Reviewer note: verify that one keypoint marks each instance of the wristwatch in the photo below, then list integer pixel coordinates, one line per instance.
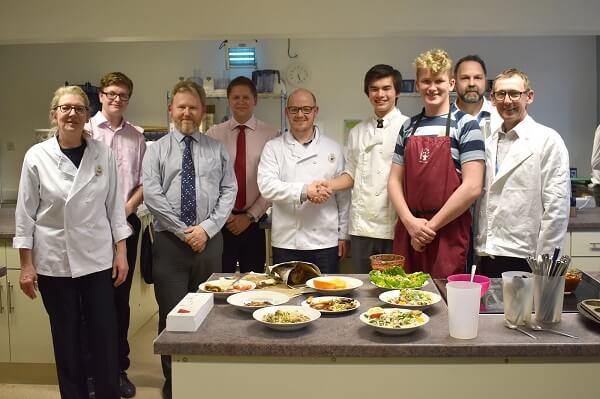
(251, 217)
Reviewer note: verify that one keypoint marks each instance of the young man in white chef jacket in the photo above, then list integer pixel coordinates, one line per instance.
(368, 160)
(301, 229)
(525, 206)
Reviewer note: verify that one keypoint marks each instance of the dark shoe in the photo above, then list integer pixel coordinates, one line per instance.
(166, 390)
(126, 387)
(91, 388)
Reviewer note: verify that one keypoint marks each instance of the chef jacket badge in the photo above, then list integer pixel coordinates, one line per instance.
(331, 157)
(98, 170)
(425, 155)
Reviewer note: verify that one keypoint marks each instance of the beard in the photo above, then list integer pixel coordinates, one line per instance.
(470, 97)
(186, 128)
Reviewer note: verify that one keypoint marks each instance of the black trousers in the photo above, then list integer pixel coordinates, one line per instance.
(68, 300)
(363, 247)
(494, 267)
(177, 270)
(247, 248)
(122, 294)
(326, 259)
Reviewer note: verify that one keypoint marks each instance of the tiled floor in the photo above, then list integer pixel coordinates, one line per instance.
(145, 371)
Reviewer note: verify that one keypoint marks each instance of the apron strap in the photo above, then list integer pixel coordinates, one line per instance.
(422, 114)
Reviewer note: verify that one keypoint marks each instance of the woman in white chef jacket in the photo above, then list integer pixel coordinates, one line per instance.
(70, 231)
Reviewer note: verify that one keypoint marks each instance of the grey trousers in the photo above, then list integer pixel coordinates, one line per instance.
(177, 270)
(363, 247)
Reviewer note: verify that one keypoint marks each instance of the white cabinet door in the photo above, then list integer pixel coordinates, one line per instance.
(585, 243)
(30, 336)
(4, 334)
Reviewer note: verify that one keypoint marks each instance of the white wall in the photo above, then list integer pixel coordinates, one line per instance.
(563, 71)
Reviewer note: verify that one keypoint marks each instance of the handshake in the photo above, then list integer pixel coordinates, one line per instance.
(318, 191)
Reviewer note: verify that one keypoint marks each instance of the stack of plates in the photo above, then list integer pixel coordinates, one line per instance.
(590, 308)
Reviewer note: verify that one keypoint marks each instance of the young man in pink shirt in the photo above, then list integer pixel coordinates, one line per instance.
(128, 145)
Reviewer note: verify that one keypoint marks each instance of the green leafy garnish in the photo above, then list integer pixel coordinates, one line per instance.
(396, 277)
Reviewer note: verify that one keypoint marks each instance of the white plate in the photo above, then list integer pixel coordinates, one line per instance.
(388, 296)
(239, 300)
(389, 330)
(329, 298)
(388, 288)
(311, 313)
(351, 284)
(225, 283)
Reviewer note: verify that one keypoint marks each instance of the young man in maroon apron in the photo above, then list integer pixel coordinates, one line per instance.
(436, 174)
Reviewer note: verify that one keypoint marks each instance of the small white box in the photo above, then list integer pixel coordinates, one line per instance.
(190, 312)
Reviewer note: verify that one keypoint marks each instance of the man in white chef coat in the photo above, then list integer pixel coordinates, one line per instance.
(301, 229)
(525, 206)
(369, 153)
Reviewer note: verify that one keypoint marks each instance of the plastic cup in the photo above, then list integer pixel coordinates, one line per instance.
(463, 309)
(548, 294)
(517, 291)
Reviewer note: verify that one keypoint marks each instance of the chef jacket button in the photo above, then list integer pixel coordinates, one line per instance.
(377, 194)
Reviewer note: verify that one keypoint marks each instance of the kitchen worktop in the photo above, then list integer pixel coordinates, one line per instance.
(7, 222)
(229, 332)
(586, 219)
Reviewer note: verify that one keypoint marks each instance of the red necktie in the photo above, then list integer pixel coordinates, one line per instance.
(240, 169)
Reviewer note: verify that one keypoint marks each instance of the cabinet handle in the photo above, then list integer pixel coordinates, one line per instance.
(1, 303)
(594, 245)
(9, 297)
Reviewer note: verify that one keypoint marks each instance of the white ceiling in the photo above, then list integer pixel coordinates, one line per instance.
(52, 21)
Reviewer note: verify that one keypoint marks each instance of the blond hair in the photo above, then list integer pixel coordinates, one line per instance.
(436, 60)
(509, 73)
(63, 91)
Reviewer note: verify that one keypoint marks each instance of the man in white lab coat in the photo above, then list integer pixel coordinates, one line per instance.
(301, 229)
(525, 205)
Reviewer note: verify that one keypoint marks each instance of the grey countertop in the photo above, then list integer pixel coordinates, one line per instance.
(586, 219)
(229, 332)
(7, 222)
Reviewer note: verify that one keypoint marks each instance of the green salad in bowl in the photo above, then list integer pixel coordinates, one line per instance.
(396, 277)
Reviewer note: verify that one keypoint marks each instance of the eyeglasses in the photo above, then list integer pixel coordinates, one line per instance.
(513, 95)
(305, 110)
(66, 109)
(112, 95)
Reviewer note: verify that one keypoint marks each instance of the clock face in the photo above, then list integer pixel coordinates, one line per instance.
(297, 74)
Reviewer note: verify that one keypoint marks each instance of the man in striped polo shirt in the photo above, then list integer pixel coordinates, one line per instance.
(436, 174)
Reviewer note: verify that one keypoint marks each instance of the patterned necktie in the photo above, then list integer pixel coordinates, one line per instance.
(240, 169)
(379, 123)
(188, 184)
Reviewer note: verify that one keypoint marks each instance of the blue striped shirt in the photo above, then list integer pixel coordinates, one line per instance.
(466, 139)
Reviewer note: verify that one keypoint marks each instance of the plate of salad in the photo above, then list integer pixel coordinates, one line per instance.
(392, 321)
(410, 298)
(396, 277)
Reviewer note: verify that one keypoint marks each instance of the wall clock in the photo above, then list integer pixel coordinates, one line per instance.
(297, 74)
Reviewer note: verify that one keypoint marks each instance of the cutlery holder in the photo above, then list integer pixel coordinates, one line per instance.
(548, 295)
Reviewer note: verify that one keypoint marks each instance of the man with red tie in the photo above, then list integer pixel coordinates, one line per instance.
(244, 136)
